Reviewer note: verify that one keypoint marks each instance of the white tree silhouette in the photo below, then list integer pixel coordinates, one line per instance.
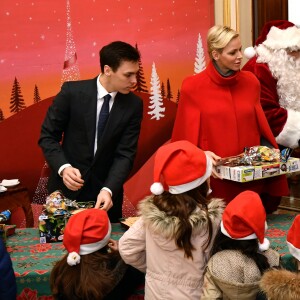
(156, 100)
(200, 57)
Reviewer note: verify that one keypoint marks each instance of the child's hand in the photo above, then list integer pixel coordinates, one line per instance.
(113, 245)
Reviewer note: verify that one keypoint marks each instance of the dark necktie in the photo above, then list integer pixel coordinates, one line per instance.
(103, 116)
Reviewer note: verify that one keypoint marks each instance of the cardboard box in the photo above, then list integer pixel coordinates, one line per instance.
(249, 173)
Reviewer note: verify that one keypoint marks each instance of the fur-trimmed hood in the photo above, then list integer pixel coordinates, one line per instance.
(281, 285)
(161, 223)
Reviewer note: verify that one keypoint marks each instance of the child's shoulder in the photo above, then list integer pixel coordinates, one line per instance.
(273, 257)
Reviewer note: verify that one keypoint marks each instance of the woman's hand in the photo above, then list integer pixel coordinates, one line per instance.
(214, 158)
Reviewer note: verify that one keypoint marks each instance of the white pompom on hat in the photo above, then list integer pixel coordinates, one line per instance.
(293, 238)
(86, 232)
(179, 167)
(244, 218)
(279, 24)
(249, 52)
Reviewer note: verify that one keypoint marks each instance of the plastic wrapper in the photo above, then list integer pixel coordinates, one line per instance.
(256, 156)
(57, 211)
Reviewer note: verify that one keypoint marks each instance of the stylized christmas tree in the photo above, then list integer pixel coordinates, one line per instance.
(169, 92)
(71, 69)
(70, 73)
(16, 100)
(178, 97)
(200, 58)
(162, 88)
(141, 82)
(36, 95)
(1, 115)
(156, 100)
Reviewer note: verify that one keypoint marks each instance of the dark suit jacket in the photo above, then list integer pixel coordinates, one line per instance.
(68, 136)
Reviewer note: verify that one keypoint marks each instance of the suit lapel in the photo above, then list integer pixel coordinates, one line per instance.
(89, 106)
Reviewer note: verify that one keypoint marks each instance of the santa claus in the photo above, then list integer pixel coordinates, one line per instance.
(275, 60)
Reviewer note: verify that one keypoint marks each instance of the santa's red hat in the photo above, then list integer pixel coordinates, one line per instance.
(293, 238)
(86, 232)
(179, 167)
(244, 218)
(279, 24)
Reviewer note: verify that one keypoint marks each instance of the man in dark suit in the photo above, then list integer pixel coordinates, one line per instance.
(88, 165)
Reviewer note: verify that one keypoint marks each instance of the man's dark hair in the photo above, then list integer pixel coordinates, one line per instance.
(115, 53)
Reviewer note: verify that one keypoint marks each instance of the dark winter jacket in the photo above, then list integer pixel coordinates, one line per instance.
(8, 286)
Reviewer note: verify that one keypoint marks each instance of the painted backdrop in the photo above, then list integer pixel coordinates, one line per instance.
(44, 43)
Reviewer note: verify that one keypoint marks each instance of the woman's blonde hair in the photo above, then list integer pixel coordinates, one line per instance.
(218, 38)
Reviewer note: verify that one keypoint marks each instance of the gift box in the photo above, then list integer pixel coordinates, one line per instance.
(58, 210)
(265, 170)
(51, 228)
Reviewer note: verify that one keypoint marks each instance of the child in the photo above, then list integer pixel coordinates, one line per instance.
(284, 284)
(89, 271)
(171, 241)
(241, 252)
(293, 241)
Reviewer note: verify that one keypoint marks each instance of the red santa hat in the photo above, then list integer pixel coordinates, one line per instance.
(244, 218)
(86, 232)
(293, 238)
(281, 25)
(179, 167)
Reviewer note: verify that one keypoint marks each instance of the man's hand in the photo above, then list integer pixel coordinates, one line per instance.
(104, 200)
(72, 178)
(214, 158)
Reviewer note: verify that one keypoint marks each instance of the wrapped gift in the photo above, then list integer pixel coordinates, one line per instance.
(57, 211)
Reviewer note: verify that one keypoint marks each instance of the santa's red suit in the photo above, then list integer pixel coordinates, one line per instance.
(276, 64)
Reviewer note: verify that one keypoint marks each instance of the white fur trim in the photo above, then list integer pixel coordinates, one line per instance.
(264, 246)
(293, 250)
(248, 237)
(157, 188)
(73, 259)
(249, 52)
(283, 38)
(290, 133)
(90, 248)
(179, 189)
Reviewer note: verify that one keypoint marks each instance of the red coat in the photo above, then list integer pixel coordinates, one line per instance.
(224, 115)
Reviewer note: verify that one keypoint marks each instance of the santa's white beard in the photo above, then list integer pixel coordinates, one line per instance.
(286, 69)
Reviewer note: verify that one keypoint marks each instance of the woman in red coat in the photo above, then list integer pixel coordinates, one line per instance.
(219, 111)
